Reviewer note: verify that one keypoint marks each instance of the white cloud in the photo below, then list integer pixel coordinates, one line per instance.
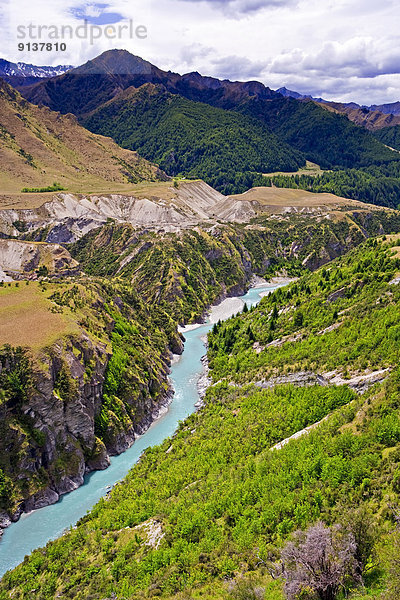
(241, 7)
(341, 49)
(360, 56)
(191, 54)
(237, 68)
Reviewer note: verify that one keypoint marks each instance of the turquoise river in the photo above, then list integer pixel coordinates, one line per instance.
(35, 529)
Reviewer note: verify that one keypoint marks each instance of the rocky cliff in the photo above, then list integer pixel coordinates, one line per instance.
(49, 436)
(67, 407)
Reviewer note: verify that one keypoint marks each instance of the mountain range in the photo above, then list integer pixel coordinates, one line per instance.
(102, 78)
(257, 130)
(192, 138)
(20, 73)
(391, 108)
(227, 133)
(374, 117)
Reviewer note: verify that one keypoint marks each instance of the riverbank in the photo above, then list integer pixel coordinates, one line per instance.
(228, 308)
(221, 311)
(49, 496)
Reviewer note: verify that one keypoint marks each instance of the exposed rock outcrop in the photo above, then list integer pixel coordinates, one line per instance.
(51, 439)
(23, 260)
(359, 382)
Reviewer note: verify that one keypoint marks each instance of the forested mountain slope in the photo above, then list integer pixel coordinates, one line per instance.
(184, 142)
(327, 138)
(389, 136)
(191, 138)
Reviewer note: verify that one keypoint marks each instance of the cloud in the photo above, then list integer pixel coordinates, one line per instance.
(190, 55)
(96, 14)
(361, 56)
(237, 68)
(381, 89)
(241, 7)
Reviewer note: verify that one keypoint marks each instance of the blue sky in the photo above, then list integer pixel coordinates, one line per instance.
(343, 50)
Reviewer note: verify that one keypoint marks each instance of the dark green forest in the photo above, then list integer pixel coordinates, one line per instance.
(389, 136)
(192, 139)
(326, 138)
(230, 149)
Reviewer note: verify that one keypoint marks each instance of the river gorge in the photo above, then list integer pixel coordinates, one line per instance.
(36, 528)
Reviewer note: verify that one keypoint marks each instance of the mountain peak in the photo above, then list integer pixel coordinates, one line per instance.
(116, 62)
(288, 93)
(119, 69)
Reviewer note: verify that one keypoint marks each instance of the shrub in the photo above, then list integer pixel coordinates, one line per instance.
(319, 563)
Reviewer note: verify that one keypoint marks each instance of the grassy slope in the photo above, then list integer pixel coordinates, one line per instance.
(224, 500)
(310, 169)
(39, 146)
(145, 189)
(18, 302)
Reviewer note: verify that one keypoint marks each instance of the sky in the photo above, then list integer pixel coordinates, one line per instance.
(342, 50)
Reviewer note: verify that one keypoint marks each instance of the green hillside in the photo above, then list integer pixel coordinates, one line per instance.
(229, 148)
(389, 136)
(326, 138)
(191, 138)
(184, 273)
(123, 308)
(218, 503)
(337, 298)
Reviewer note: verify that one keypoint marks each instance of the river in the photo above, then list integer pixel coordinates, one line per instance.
(35, 529)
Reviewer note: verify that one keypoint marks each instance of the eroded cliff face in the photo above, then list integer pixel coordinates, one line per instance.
(51, 438)
(28, 260)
